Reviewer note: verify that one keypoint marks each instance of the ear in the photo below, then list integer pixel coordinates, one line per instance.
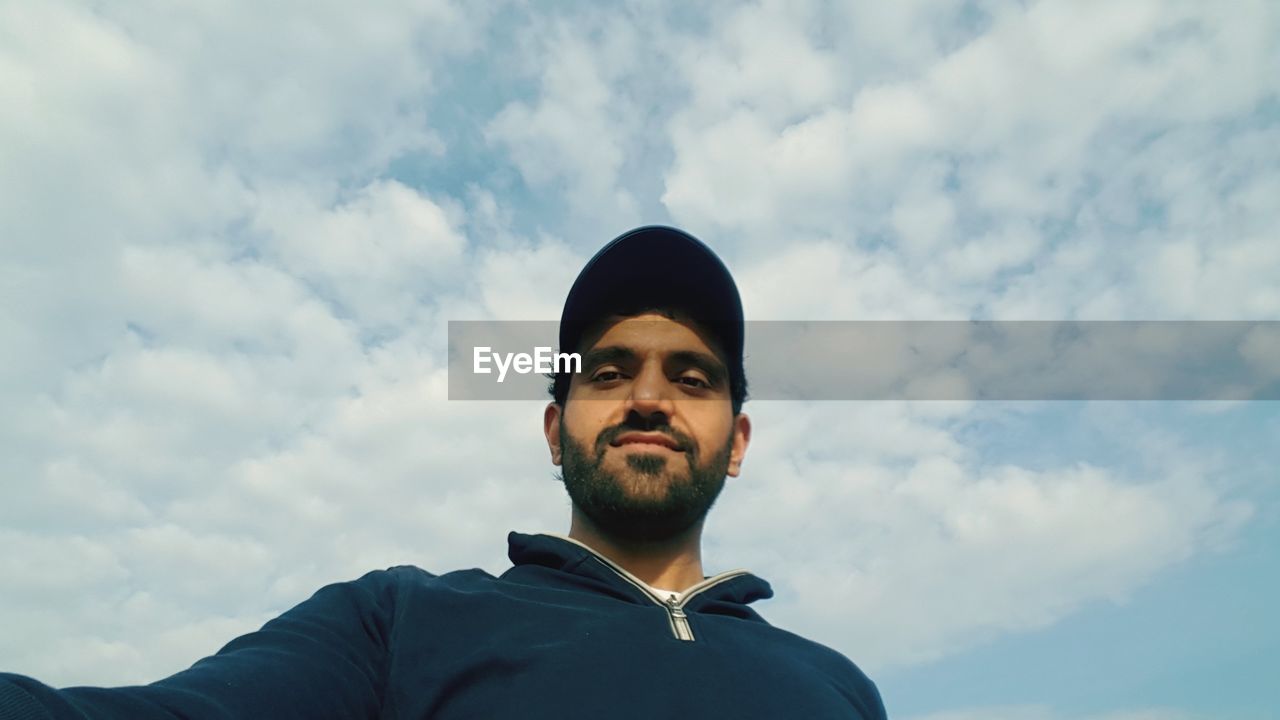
(741, 438)
(551, 429)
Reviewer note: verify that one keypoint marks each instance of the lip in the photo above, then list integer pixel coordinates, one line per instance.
(647, 438)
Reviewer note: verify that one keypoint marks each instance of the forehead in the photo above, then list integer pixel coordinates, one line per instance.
(652, 331)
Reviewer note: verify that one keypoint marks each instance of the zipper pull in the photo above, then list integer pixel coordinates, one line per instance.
(679, 621)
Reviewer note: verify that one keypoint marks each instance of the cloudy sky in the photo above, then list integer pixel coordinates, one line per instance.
(232, 234)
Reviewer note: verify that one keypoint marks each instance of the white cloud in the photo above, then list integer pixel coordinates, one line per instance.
(823, 279)
(1022, 138)
(578, 133)
(378, 255)
(514, 283)
(760, 58)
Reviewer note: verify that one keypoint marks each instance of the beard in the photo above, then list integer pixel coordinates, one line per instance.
(655, 498)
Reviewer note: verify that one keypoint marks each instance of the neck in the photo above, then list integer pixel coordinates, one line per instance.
(674, 564)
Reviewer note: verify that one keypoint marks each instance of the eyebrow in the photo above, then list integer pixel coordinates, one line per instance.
(596, 357)
(709, 364)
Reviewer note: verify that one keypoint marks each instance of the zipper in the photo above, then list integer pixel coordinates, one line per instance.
(676, 615)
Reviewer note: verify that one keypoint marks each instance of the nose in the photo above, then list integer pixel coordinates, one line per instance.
(651, 394)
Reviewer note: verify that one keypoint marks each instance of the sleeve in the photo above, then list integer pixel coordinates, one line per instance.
(865, 697)
(325, 658)
(874, 708)
(859, 690)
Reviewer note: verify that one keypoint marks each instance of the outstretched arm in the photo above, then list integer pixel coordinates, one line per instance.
(325, 658)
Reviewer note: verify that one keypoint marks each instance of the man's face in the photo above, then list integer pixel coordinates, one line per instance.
(648, 433)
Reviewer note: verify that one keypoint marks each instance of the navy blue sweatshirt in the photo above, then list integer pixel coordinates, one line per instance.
(563, 634)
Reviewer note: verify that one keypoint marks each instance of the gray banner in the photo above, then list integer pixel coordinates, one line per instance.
(929, 360)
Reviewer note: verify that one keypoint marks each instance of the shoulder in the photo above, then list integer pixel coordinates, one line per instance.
(400, 579)
(397, 575)
(378, 596)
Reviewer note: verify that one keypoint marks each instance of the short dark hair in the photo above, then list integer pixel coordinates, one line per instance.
(558, 382)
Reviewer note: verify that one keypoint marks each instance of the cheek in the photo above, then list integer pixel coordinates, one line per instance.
(584, 419)
(710, 425)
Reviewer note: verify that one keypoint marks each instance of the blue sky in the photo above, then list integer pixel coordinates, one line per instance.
(234, 234)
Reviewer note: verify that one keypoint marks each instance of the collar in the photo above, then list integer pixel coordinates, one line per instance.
(530, 553)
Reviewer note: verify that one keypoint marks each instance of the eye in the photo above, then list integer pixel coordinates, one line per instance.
(693, 381)
(606, 376)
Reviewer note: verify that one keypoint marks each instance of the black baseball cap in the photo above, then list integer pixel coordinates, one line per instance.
(656, 266)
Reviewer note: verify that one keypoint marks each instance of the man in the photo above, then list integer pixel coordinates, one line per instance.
(614, 621)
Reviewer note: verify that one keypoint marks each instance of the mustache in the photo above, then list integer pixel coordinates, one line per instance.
(608, 435)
